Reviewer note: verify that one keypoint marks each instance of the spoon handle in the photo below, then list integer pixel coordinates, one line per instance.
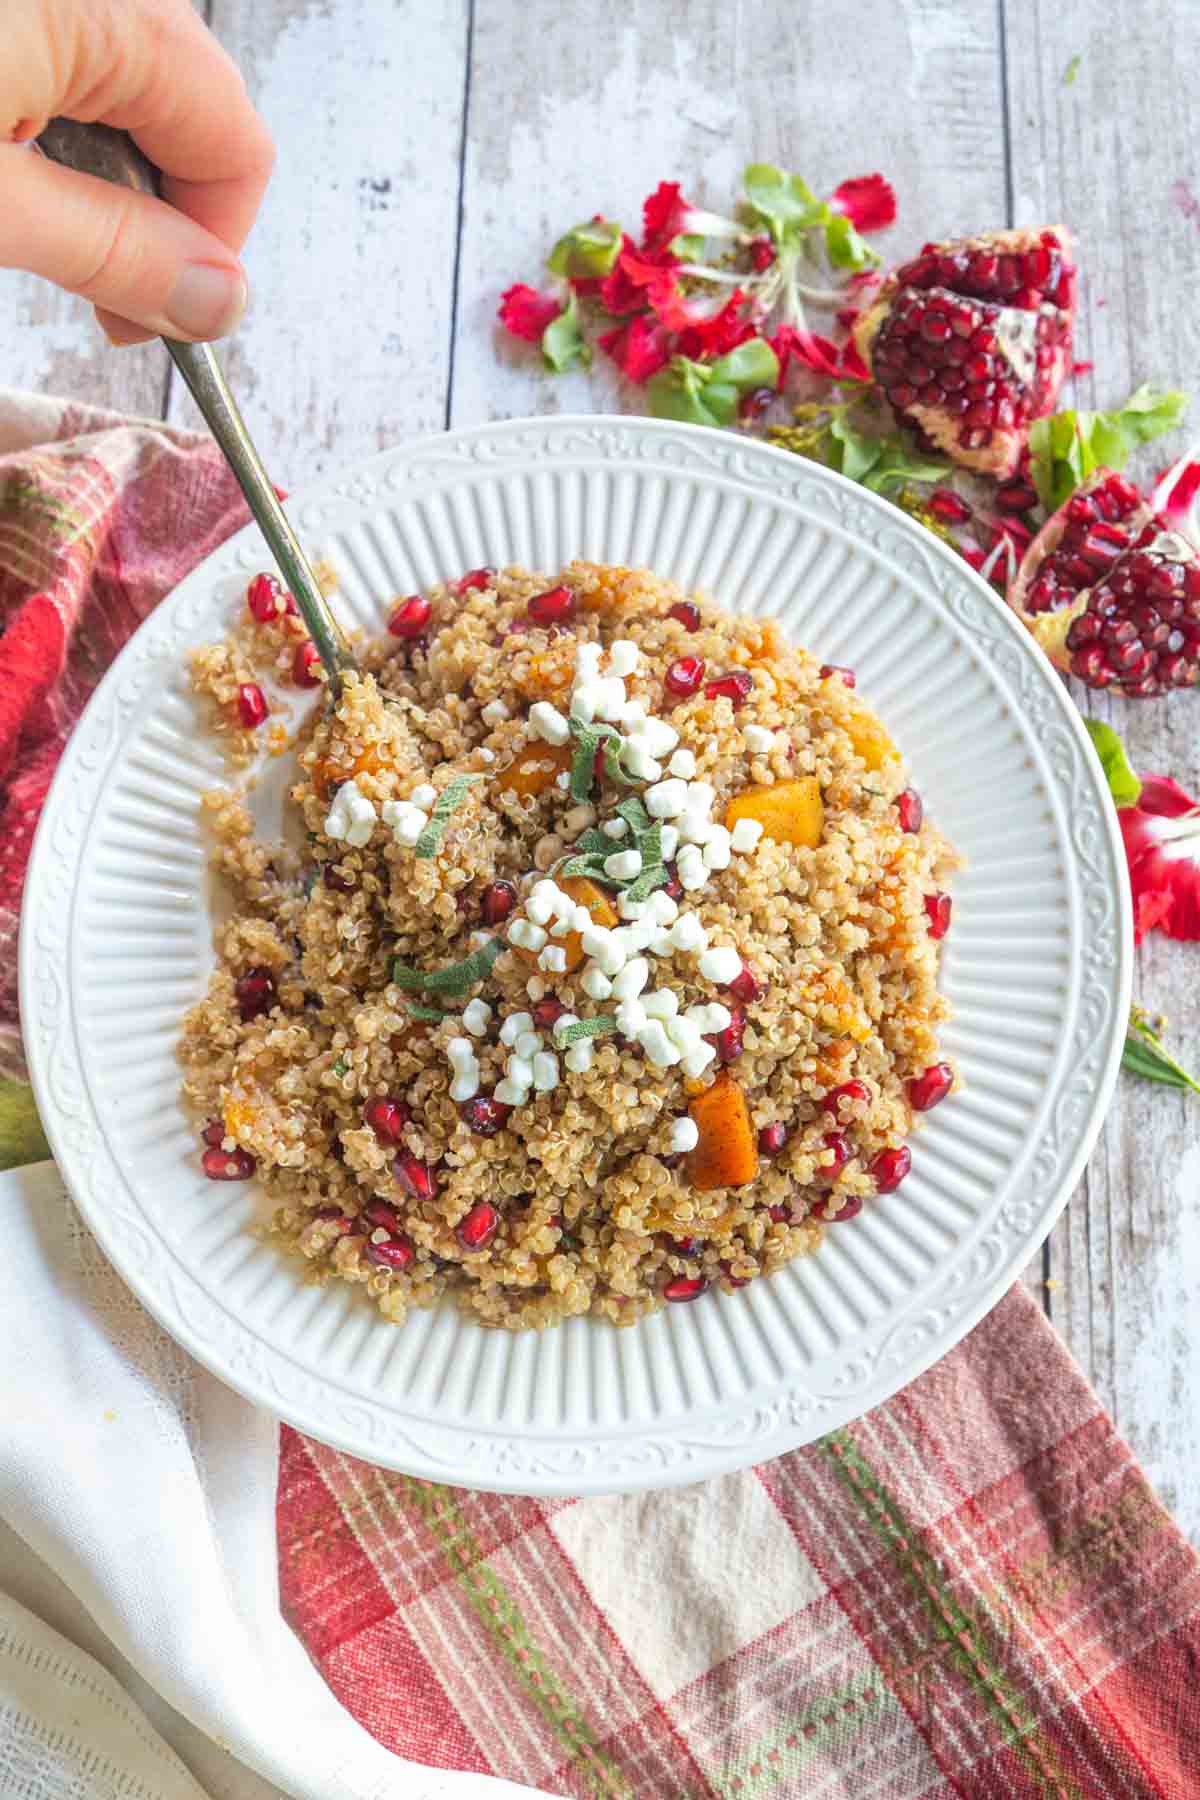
(113, 155)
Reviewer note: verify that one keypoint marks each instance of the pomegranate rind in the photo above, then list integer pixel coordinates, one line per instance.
(1001, 456)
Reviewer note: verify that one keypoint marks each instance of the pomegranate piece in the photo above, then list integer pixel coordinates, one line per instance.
(949, 507)
(746, 985)
(685, 1287)
(554, 607)
(414, 1176)
(762, 253)
(778, 1214)
(971, 341)
(379, 1213)
(674, 887)
(484, 1115)
(847, 675)
(931, 1086)
(1112, 592)
(255, 993)
(387, 1119)
(496, 902)
(729, 1042)
(396, 1254)
(333, 1215)
(890, 1167)
(233, 1165)
(849, 1209)
(214, 1133)
(252, 705)
(477, 1230)
(546, 1013)
(754, 404)
(411, 617)
(306, 664)
(910, 809)
(684, 676)
(1016, 496)
(857, 1091)
(772, 1138)
(735, 1281)
(837, 1143)
(474, 581)
(262, 596)
(736, 687)
(685, 613)
(937, 910)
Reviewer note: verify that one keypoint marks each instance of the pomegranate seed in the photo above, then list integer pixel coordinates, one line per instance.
(387, 1119)
(729, 1042)
(762, 253)
(949, 507)
(497, 901)
(234, 1165)
(778, 1214)
(484, 1115)
(847, 675)
(735, 1281)
(754, 404)
(474, 581)
(937, 911)
(910, 809)
(411, 617)
(849, 1209)
(685, 613)
(1016, 496)
(252, 705)
(890, 1167)
(261, 597)
(684, 676)
(546, 1013)
(674, 887)
(684, 1246)
(772, 1138)
(334, 878)
(214, 1133)
(414, 1176)
(379, 1213)
(306, 664)
(857, 1091)
(552, 607)
(926, 1089)
(735, 687)
(255, 992)
(837, 1142)
(685, 1287)
(397, 1253)
(333, 1215)
(477, 1230)
(746, 985)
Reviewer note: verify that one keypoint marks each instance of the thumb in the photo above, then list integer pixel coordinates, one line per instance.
(128, 253)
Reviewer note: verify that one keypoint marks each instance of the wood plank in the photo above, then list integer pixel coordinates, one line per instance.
(52, 345)
(1113, 153)
(346, 345)
(564, 122)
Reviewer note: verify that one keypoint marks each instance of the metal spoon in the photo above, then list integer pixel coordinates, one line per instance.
(113, 155)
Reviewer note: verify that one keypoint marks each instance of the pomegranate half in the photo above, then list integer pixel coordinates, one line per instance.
(970, 341)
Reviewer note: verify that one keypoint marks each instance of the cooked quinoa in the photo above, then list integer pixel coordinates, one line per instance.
(701, 908)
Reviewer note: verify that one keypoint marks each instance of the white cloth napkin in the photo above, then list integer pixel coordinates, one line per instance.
(142, 1651)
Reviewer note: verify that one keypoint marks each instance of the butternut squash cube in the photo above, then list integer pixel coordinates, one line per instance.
(791, 812)
(534, 769)
(726, 1154)
(869, 738)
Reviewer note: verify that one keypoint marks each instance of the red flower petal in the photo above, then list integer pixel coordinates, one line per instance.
(1182, 498)
(663, 216)
(639, 348)
(868, 201)
(814, 352)
(623, 290)
(1162, 846)
(526, 313)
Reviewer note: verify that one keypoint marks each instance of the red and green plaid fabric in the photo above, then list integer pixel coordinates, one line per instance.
(971, 1592)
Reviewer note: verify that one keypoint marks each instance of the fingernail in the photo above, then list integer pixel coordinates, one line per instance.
(206, 301)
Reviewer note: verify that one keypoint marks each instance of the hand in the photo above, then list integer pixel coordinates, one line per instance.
(151, 68)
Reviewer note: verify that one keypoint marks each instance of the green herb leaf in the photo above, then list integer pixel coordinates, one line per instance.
(1071, 71)
(586, 251)
(751, 365)
(1144, 1055)
(634, 813)
(427, 1015)
(644, 884)
(783, 203)
(602, 1025)
(843, 245)
(649, 844)
(447, 803)
(341, 1066)
(457, 977)
(1123, 784)
(596, 843)
(1069, 446)
(698, 393)
(590, 866)
(563, 343)
(588, 739)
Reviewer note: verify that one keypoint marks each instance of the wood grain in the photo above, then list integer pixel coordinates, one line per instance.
(1114, 152)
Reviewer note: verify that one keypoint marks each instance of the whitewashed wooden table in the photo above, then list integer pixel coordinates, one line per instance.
(430, 151)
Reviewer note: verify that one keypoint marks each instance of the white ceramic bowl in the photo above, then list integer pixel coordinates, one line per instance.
(116, 942)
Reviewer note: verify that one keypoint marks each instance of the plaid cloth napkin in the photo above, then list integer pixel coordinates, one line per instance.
(970, 1592)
